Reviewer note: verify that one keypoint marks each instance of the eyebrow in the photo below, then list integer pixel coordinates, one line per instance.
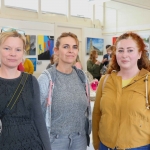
(123, 48)
(10, 46)
(69, 45)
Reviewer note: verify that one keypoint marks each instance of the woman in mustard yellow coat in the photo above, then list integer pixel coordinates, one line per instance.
(28, 66)
(121, 114)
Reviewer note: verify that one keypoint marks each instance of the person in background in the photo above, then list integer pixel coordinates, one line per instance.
(78, 63)
(22, 125)
(121, 114)
(108, 55)
(28, 66)
(53, 60)
(20, 67)
(64, 91)
(93, 65)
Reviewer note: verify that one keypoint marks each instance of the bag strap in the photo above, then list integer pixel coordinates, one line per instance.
(105, 81)
(146, 86)
(15, 96)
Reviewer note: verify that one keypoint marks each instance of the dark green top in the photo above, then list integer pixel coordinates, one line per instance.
(94, 69)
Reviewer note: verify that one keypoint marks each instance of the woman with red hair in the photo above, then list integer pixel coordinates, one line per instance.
(121, 115)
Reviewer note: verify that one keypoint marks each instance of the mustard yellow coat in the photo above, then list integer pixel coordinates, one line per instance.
(28, 66)
(120, 118)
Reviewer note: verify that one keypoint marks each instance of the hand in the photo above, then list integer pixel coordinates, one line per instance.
(97, 62)
(104, 60)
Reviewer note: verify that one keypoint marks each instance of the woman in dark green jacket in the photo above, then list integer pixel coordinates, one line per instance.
(93, 65)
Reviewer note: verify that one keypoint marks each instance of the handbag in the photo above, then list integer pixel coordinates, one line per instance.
(87, 131)
(14, 99)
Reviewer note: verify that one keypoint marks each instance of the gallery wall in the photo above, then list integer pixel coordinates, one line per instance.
(50, 29)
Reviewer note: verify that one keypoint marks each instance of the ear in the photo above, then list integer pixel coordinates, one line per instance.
(56, 50)
(140, 53)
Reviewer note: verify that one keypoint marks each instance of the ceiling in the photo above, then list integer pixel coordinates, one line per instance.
(145, 4)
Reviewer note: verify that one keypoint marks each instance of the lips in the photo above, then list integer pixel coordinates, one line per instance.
(12, 60)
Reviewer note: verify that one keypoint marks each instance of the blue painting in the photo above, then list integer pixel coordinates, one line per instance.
(95, 44)
(34, 62)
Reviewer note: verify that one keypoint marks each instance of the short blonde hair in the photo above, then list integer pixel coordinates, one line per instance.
(5, 35)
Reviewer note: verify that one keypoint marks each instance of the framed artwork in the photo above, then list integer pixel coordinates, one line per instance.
(30, 45)
(45, 47)
(147, 43)
(34, 62)
(114, 40)
(95, 44)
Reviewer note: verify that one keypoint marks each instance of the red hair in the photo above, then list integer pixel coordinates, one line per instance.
(143, 62)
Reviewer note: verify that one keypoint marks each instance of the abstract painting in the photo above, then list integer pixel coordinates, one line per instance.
(30, 45)
(45, 47)
(95, 44)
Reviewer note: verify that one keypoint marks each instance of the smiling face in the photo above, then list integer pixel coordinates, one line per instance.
(67, 51)
(127, 54)
(11, 52)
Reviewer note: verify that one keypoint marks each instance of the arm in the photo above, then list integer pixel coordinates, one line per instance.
(96, 116)
(38, 116)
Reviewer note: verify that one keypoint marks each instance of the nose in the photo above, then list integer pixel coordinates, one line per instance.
(70, 50)
(12, 52)
(125, 54)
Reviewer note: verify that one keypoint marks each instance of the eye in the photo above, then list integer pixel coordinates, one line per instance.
(130, 50)
(18, 49)
(66, 46)
(75, 47)
(120, 50)
(6, 48)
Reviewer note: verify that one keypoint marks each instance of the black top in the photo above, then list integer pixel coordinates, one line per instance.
(23, 128)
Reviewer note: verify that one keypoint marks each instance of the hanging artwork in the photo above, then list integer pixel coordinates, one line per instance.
(30, 45)
(45, 47)
(114, 40)
(95, 44)
(34, 62)
(146, 41)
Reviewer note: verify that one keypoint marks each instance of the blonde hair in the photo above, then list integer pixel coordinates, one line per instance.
(67, 34)
(5, 35)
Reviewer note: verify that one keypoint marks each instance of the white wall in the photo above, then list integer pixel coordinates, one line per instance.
(41, 28)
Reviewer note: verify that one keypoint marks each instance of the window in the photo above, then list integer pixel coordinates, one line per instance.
(81, 8)
(99, 12)
(24, 4)
(55, 6)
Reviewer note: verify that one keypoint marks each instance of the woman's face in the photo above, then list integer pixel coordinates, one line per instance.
(67, 51)
(127, 54)
(11, 52)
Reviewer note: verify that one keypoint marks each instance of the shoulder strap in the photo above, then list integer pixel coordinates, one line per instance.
(15, 96)
(105, 81)
(146, 86)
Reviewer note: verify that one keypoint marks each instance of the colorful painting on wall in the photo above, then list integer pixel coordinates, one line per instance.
(114, 40)
(30, 45)
(95, 44)
(45, 47)
(34, 62)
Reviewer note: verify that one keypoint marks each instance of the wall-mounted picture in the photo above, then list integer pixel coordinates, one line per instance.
(45, 47)
(34, 62)
(114, 40)
(147, 43)
(30, 45)
(95, 44)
